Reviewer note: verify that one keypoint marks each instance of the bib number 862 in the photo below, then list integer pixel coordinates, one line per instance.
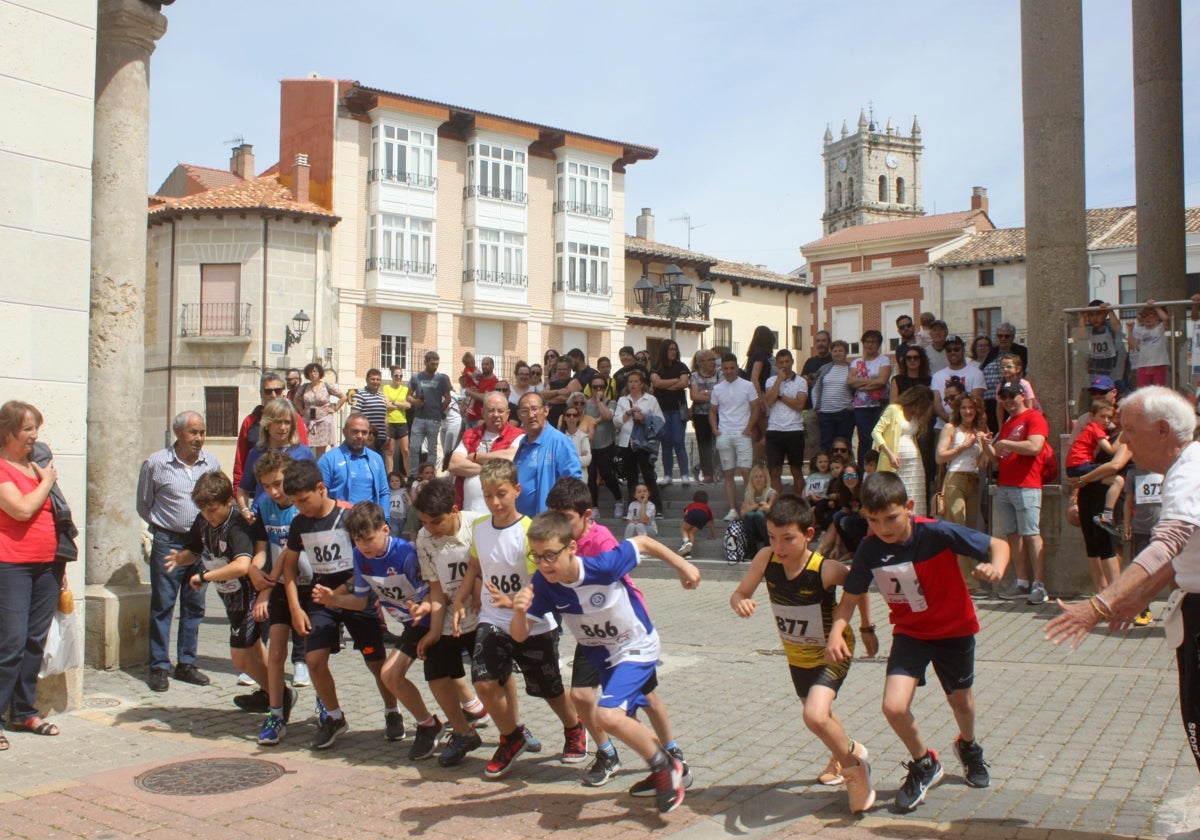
(508, 584)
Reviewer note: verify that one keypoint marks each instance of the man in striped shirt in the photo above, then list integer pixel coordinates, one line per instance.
(372, 403)
(164, 500)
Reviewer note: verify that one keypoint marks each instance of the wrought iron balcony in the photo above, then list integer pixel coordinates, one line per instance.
(495, 192)
(579, 207)
(424, 269)
(495, 278)
(412, 179)
(215, 320)
(589, 288)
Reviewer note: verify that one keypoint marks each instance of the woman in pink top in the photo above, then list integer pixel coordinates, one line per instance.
(30, 580)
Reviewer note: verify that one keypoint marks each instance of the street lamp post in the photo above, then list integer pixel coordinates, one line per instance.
(672, 299)
(300, 324)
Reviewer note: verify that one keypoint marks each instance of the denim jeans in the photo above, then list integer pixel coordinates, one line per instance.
(28, 598)
(165, 588)
(835, 424)
(865, 420)
(422, 432)
(674, 442)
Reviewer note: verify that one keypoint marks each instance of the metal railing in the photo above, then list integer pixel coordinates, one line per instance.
(214, 319)
(599, 289)
(579, 207)
(495, 192)
(412, 179)
(495, 278)
(404, 266)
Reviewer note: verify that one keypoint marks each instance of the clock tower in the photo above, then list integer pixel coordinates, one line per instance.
(871, 175)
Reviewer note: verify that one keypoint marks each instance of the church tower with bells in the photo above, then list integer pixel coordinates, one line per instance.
(871, 176)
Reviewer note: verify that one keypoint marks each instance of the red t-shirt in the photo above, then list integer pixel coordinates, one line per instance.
(1022, 470)
(31, 541)
(484, 384)
(1083, 449)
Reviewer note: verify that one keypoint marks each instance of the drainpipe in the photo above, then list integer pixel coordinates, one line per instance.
(171, 340)
(265, 366)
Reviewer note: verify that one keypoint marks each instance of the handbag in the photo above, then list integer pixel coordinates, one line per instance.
(62, 651)
(937, 503)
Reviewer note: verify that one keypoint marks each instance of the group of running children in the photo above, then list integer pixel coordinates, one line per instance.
(495, 586)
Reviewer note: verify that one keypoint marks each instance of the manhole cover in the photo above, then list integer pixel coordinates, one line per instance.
(206, 776)
(101, 702)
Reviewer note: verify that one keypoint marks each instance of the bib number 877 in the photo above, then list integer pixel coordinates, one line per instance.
(792, 626)
(508, 584)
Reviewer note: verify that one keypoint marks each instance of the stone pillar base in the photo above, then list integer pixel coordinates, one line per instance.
(1067, 574)
(118, 626)
(60, 692)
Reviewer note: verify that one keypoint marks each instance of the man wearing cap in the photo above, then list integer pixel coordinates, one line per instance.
(1017, 451)
(970, 376)
(936, 351)
(1099, 388)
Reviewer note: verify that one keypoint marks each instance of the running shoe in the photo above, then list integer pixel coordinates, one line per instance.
(685, 550)
(506, 754)
(328, 732)
(256, 701)
(665, 481)
(668, 786)
(975, 769)
(300, 677)
(1145, 617)
(575, 749)
(685, 480)
(245, 679)
(858, 787)
(923, 774)
(832, 775)
(602, 769)
(532, 744)
(1016, 592)
(393, 726)
(731, 516)
(272, 730)
(458, 747)
(1106, 522)
(478, 719)
(1037, 594)
(425, 741)
(646, 786)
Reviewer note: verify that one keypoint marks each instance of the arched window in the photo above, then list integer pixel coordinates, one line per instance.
(837, 195)
(899, 190)
(883, 188)
(850, 192)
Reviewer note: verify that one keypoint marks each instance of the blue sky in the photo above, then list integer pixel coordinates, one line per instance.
(735, 96)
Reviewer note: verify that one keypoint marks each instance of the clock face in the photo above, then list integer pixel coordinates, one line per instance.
(842, 163)
(892, 161)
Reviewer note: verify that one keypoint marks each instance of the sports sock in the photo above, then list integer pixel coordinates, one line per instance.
(429, 721)
(1108, 513)
(395, 708)
(607, 748)
(334, 714)
(276, 710)
(1022, 583)
(474, 707)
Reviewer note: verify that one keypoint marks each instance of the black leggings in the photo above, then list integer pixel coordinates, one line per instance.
(601, 468)
(704, 443)
(635, 461)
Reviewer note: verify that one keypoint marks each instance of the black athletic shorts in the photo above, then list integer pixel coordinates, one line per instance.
(953, 660)
(781, 445)
(831, 676)
(495, 652)
(445, 659)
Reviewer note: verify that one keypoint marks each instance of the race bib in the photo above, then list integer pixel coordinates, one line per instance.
(816, 485)
(1102, 346)
(899, 585)
(1148, 489)
(603, 628)
(800, 625)
(211, 564)
(329, 551)
(393, 592)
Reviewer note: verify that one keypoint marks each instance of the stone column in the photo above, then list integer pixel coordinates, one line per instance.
(117, 602)
(1056, 265)
(1158, 149)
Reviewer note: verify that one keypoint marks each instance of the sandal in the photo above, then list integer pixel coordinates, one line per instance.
(3, 741)
(27, 725)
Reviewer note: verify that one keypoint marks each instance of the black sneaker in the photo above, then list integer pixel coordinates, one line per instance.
(425, 741)
(191, 674)
(393, 726)
(923, 774)
(458, 747)
(602, 769)
(289, 702)
(668, 786)
(329, 731)
(645, 788)
(532, 744)
(975, 769)
(257, 701)
(159, 679)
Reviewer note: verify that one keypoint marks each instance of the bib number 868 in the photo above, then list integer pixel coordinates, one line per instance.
(508, 584)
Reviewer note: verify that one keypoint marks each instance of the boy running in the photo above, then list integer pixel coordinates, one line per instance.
(802, 587)
(914, 562)
(499, 552)
(609, 618)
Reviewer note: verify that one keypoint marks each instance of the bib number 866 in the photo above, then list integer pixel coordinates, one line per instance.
(595, 631)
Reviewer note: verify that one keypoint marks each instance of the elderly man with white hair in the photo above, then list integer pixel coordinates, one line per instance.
(1159, 425)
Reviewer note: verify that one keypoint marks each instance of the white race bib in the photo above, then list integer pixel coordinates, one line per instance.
(1102, 346)
(211, 564)
(600, 628)
(800, 625)
(393, 592)
(1148, 489)
(899, 585)
(330, 551)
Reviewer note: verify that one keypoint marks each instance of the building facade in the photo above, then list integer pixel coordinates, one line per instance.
(871, 176)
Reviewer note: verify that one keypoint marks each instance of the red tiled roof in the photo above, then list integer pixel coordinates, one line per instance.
(939, 223)
(202, 178)
(1124, 233)
(636, 246)
(754, 274)
(262, 193)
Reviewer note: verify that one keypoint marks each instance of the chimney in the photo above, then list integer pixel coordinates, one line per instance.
(242, 161)
(300, 180)
(979, 200)
(645, 225)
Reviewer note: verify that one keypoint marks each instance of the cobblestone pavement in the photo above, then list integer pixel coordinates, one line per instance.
(1085, 744)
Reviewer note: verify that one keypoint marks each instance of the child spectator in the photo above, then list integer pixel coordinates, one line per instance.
(915, 565)
(1106, 344)
(640, 514)
(696, 516)
(870, 462)
(1081, 460)
(922, 338)
(400, 501)
(756, 504)
(615, 629)
(816, 488)
(1148, 345)
(425, 474)
(802, 588)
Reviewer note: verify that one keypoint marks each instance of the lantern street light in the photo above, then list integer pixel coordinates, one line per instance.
(673, 299)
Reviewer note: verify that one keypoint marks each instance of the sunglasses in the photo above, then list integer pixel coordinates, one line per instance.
(502, 391)
(840, 449)
(849, 474)
(275, 391)
(570, 414)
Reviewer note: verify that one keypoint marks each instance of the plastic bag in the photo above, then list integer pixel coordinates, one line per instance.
(62, 645)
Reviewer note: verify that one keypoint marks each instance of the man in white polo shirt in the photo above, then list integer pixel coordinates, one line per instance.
(785, 397)
(733, 413)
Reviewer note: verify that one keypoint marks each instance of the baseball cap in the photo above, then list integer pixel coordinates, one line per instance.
(955, 339)
(1007, 390)
(1102, 383)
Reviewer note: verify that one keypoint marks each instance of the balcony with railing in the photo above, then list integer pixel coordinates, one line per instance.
(393, 277)
(424, 269)
(484, 286)
(499, 193)
(411, 179)
(598, 211)
(215, 321)
(579, 303)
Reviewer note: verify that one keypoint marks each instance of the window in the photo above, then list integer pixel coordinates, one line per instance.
(847, 326)
(496, 257)
(219, 310)
(489, 341)
(837, 195)
(722, 335)
(402, 155)
(394, 331)
(1127, 294)
(400, 243)
(889, 312)
(581, 268)
(899, 190)
(221, 410)
(496, 172)
(883, 188)
(986, 321)
(797, 340)
(582, 188)
(987, 277)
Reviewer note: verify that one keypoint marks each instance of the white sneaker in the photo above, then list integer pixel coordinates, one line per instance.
(245, 679)
(685, 480)
(618, 511)
(665, 481)
(732, 516)
(300, 678)
(685, 549)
